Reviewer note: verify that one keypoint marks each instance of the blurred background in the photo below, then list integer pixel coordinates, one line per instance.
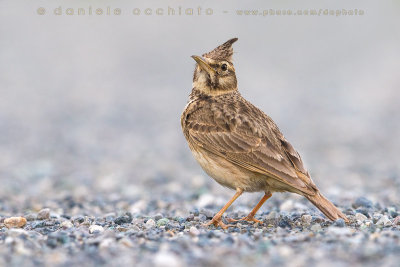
(90, 104)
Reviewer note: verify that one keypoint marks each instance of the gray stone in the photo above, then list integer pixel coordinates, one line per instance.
(43, 214)
(362, 202)
(272, 215)
(339, 223)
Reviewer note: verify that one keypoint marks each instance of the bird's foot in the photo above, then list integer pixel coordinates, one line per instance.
(248, 218)
(217, 221)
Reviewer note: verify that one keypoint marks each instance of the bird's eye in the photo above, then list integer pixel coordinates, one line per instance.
(224, 67)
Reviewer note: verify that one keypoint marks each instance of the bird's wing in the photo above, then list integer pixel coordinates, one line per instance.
(253, 142)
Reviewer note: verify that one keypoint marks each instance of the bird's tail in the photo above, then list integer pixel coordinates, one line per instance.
(326, 207)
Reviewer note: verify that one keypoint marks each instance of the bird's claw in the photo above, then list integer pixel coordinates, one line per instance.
(247, 219)
(218, 222)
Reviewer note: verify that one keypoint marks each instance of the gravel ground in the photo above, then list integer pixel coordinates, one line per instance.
(166, 229)
(94, 169)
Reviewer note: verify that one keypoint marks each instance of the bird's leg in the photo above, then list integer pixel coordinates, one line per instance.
(250, 217)
(217, 219)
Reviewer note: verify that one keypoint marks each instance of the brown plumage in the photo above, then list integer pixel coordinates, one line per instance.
(239, 145)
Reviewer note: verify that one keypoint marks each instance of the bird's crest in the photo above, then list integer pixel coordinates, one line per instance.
(222, 52)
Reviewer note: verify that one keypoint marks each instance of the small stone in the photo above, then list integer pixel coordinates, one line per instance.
(384, 221)
(78, 219)
(66, 224)
(158, 216)
(339, 223)
(30, 217)
(43, 214)
(360, 217)
(162, 222)
(194, 231)
(392, 212)
(396, 221)
(208, 213)
(123, 219)
(316, 228)
(150, 223)
(95, 229)
(202, 218)
(306, 219)
(15, 222)
(376, 217)
(364, 211)
(362, 202)
(272, 215)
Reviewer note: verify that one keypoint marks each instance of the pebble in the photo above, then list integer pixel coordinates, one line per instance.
(272, 215)
(362, 202)
(360, 217)
(306, 219)
(78, 219)
(123, 219)
(316, 228)
(95, 229)
(384, 221)
(376, 217)
(158, 216)
(15, 222)
(30, 217)
(43, 214)
(194, 231)
(392, 212)
(162, 222)
(150, 223)
(339, 223)
(66, 224)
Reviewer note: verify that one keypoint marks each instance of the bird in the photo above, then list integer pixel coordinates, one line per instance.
(237, 144)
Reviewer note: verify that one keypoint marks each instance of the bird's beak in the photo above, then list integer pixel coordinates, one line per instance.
(204, 65)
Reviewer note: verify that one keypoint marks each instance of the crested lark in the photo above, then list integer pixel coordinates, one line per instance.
(239, 145)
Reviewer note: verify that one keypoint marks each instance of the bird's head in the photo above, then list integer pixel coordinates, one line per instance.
(214, 73)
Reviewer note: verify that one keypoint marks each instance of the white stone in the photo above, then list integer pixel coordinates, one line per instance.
(316, 228)
(194, 231)
(272, 215)
(306, 219)
(66, 224)
(384, 221)
(96, 229)
(150, 223)
(360, 217)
